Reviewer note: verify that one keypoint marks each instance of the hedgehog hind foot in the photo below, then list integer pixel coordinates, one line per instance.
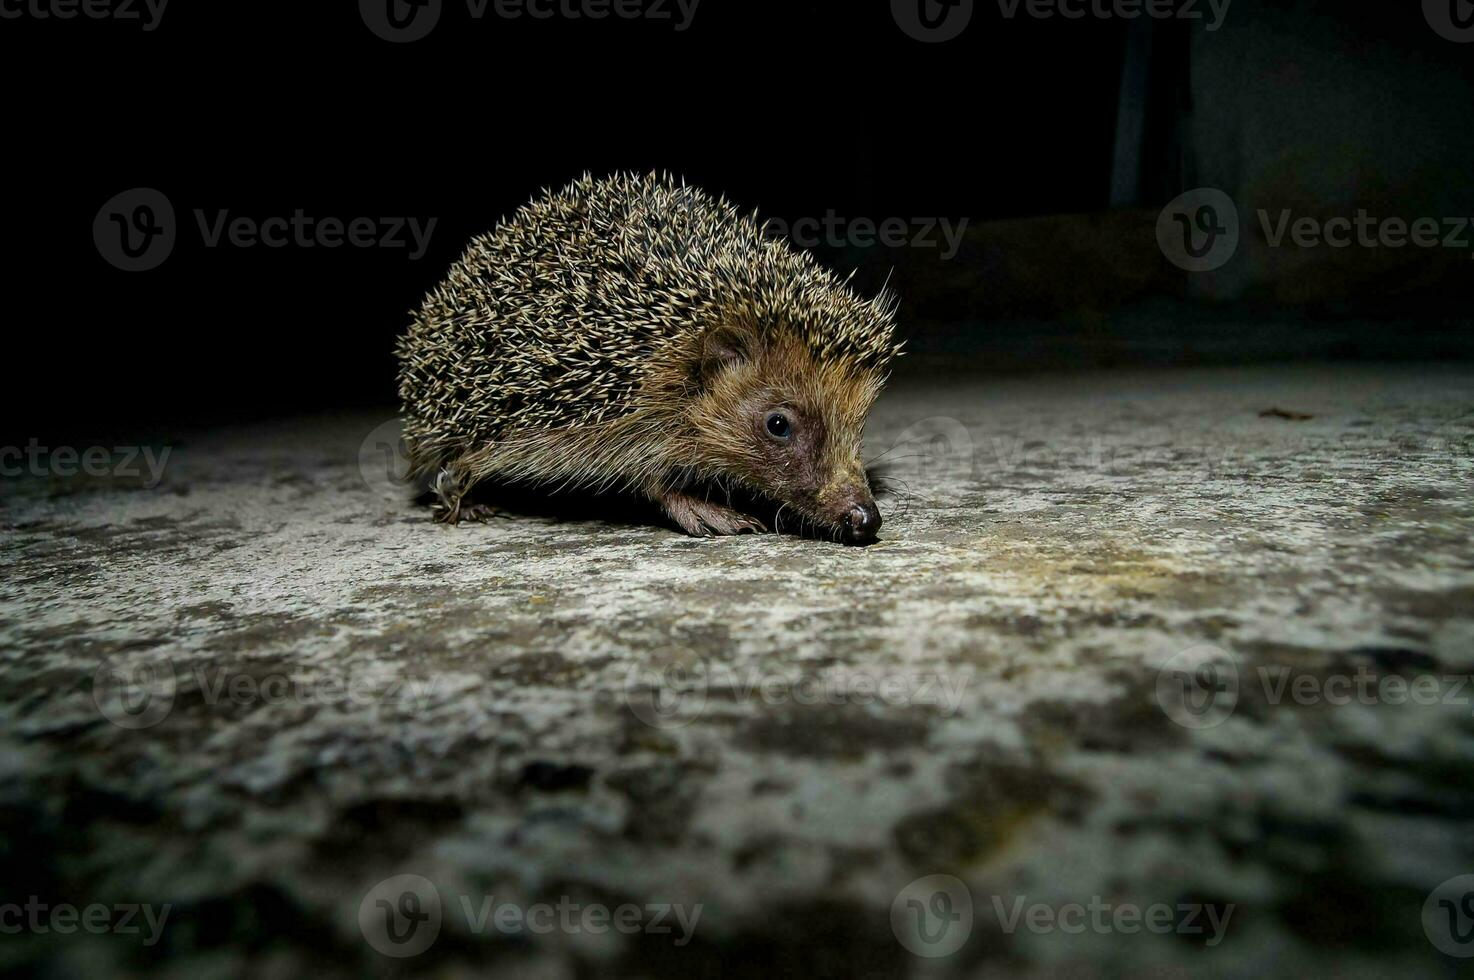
(475, 513)
(449, 504)
(454, 512)
(704, 519)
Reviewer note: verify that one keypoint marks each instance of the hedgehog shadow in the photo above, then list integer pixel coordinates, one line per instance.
(512, 501)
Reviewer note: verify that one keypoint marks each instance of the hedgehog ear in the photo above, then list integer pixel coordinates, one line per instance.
(721, 348)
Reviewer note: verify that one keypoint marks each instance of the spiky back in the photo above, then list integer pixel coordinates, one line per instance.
(554, 319)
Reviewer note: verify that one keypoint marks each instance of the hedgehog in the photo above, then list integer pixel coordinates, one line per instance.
(634, 334)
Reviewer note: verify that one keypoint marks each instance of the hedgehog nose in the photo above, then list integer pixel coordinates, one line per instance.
(861, 524)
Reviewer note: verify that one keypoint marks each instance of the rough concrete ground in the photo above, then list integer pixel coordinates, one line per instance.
(1128, 643)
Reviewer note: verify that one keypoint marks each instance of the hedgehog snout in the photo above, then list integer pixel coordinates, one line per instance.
(861, 522)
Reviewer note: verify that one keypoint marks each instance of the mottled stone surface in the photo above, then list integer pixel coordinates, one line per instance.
(329, 691)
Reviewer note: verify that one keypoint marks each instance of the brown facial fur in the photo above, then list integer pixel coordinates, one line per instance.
(818, 473)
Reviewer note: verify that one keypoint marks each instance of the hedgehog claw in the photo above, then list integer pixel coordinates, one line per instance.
(454, 514)
(704, 519)
(479, 513)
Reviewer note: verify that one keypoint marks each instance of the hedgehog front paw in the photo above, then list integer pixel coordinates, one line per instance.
(704, 519)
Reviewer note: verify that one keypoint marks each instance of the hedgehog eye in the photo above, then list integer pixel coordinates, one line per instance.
(778, 425)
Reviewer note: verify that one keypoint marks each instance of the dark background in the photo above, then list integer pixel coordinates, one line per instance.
(793, 108)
